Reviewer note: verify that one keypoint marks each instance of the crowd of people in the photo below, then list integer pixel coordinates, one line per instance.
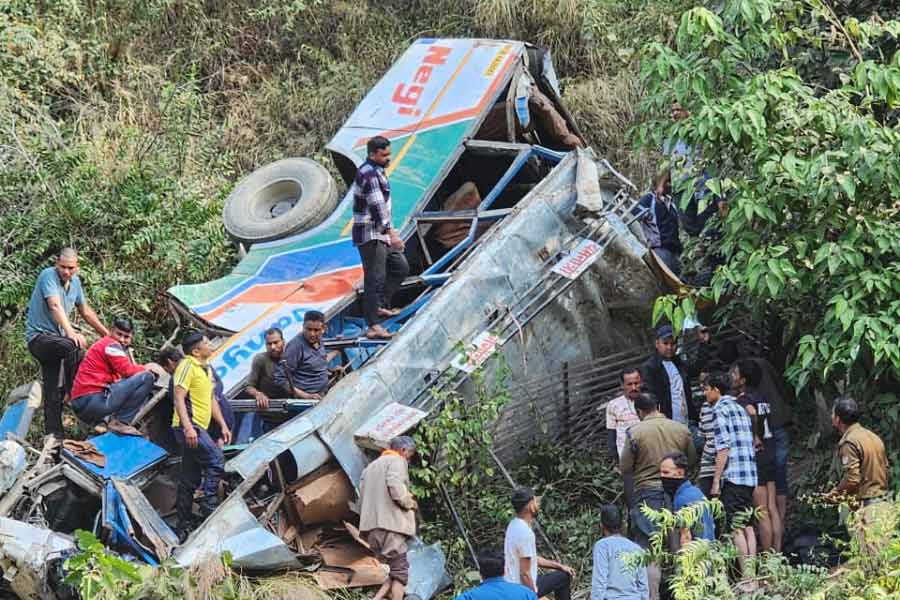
(736, 440)
(106, 388)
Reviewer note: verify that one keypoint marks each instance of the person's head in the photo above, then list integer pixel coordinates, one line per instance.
(196, 344)
(845, 413)
(610, 520)
(274, 343)
(714, 386)
(490, 565)
(678, 112)
(378, 149)
(704, 335)
(631, 383)
(169, 358)
(744, 374)
(525, 503)
(405, 446)
(666, 343)
(673, 466)
(645, 405)
(66, 264)
(313, 326)
(122, 331)
(672, 470)
(662, 185)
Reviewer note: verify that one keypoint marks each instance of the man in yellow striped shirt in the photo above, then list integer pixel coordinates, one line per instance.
(195, 408)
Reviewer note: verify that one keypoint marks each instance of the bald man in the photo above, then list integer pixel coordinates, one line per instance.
(50, 336)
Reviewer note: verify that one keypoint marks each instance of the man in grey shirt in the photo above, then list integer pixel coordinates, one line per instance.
(611, 579)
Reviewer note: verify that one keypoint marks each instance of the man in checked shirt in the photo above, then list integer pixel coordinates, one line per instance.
(379, 244)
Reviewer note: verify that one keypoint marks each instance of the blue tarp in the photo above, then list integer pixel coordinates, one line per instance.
(126, 456)
(16, 419)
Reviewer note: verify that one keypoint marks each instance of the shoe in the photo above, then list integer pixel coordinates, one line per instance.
(182, 534)
(377, 332)
(117, 426)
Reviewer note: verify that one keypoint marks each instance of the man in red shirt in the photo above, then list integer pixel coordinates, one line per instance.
(109, 385)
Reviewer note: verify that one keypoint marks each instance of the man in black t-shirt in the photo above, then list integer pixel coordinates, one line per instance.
(745, 377)
(261, 384)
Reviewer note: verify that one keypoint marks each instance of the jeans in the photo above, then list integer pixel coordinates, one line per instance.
(384, 269)
(56, 354)
(782, 452)
(554, 581)
(122, 400)
(205, 462)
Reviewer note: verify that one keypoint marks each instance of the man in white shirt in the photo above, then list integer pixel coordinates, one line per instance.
(620, 415)
(520, 552)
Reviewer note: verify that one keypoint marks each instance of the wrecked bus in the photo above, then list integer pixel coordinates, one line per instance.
(519, 241)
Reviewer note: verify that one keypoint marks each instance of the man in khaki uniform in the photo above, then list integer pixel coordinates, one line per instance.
(865, 474)
(387, 512)
(647, 444)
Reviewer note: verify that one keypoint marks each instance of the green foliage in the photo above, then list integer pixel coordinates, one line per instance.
(794, 112)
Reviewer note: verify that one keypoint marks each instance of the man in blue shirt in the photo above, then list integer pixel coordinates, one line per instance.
(672, 470)
(303, 368)
(50, 336)
(611, 579)
(493, 585)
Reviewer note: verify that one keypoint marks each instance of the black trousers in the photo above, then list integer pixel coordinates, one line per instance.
(384, 269)
(55, 354)
(554, 581)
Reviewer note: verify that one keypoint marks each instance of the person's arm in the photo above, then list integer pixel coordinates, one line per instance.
(87, 313)
(721, 461)
(525, 573)
(685, 537)
(850, 462)
(253, 381)
(690, 450)
(62, 319)
(220, 419)
(395, 479)
(120, 362)
(544, 563)
(611, 448)
(190, 434)
(599, 573)
(626, 461)
(754, 423)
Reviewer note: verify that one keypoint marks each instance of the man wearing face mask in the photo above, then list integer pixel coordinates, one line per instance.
(647, 443)
(672, 471)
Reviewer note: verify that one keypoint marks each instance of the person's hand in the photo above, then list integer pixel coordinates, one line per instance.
(415, 505)
(714, 488)
(397, 242)
(306, 395)
(154, 368)
(757, 444)
(567, 570)
(79, 340)
(190, 436)
(226, 435)
(262, 401)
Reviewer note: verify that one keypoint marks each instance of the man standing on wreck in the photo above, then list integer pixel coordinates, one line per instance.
(52, 339)
(387, 512)
(379, 244)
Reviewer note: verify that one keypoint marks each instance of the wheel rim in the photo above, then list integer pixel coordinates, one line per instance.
(277, 199)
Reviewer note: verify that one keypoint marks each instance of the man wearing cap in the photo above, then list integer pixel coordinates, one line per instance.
(201, 456)
(520, 552)
(387, 512)
(865, 475)
(648, 443)
(665, 376)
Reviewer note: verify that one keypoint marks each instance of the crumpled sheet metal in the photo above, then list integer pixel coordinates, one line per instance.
(505, 264)
(233, 528)
(25, 551)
